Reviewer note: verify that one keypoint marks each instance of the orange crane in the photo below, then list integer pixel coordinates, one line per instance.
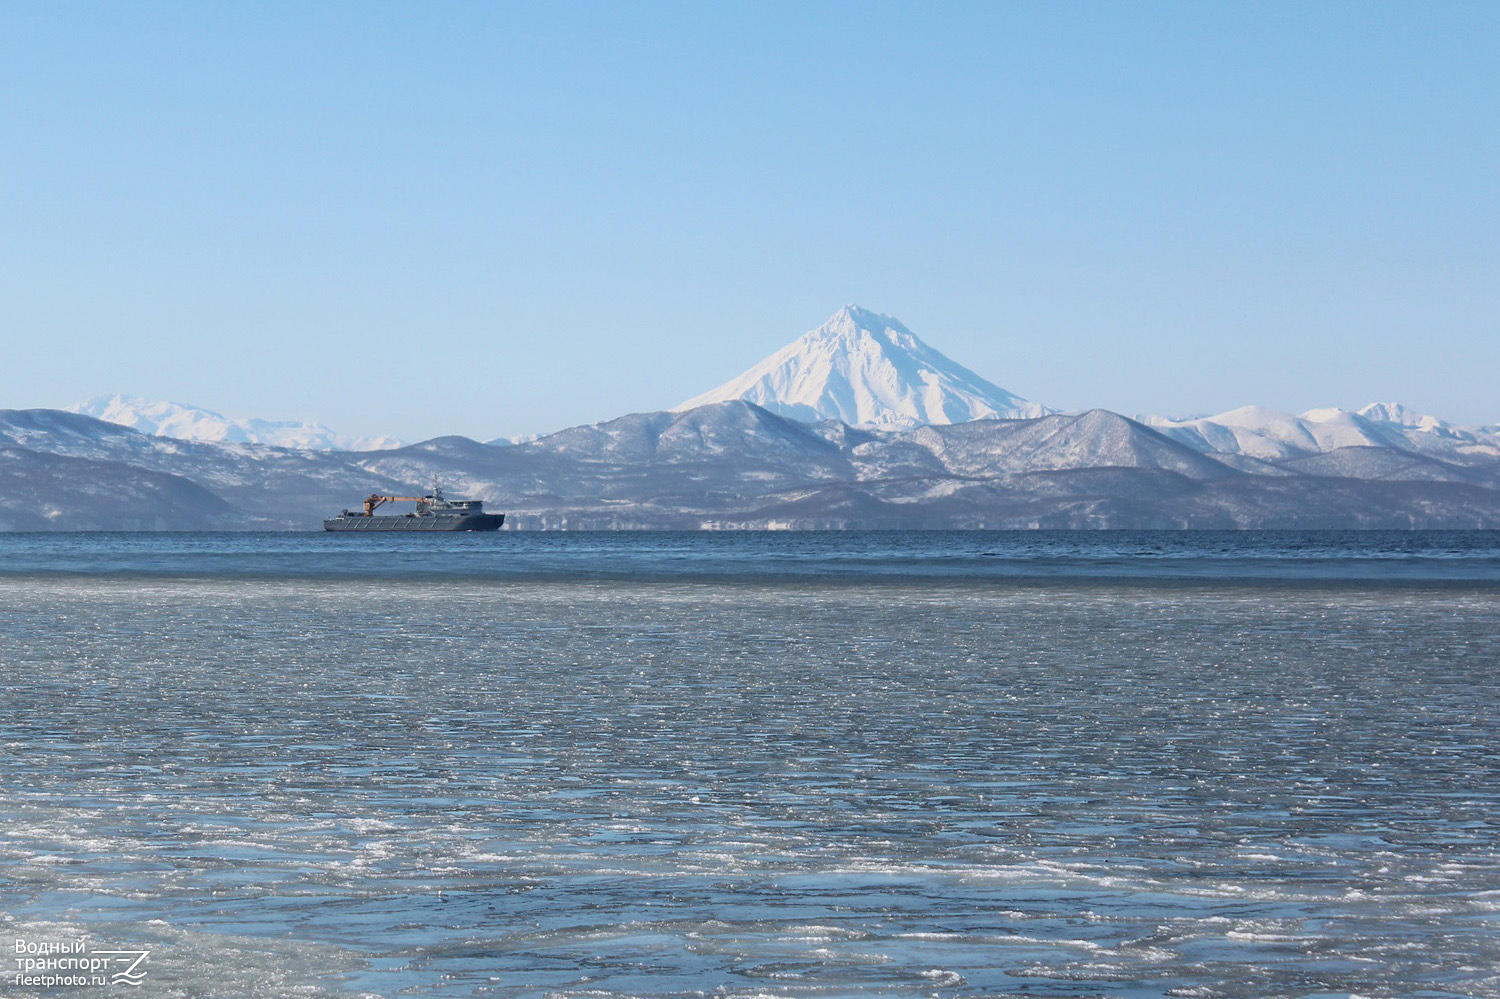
(376, 500)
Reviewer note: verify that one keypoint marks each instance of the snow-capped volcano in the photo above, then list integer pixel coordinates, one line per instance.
(192, 423)
(868, 370)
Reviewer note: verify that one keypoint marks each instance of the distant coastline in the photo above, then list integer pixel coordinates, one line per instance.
(857, 424)
(735, 465)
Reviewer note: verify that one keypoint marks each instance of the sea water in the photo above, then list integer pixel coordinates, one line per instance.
(755, 765)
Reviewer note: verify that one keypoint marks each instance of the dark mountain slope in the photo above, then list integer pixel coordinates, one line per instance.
(56, 492)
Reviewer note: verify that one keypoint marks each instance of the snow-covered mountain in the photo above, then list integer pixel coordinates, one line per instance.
(868, 370)
(856, 424)
(734, 464)
(1269, 435)
(193, 423)
(1397, 415)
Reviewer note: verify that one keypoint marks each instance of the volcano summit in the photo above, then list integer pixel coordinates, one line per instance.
(868, 370)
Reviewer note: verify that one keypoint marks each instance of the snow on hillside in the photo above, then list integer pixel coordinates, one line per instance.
(1257, 432)
(868, 370)
(1398, 415)
(183, 422)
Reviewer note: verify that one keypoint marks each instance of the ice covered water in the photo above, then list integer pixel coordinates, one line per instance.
(291, 787)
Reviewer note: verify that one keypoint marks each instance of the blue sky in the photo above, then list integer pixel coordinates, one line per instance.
(488, 218)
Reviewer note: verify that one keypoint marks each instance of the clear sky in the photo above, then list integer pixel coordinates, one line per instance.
(490, 218)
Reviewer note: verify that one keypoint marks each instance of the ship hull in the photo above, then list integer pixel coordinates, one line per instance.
(469, 522)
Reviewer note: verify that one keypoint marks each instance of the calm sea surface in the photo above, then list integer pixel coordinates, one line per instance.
(755, 765)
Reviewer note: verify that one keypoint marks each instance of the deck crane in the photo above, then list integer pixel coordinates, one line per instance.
(376, 500)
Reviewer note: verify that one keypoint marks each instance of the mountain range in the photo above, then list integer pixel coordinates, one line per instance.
(857, 424)
(175, 419)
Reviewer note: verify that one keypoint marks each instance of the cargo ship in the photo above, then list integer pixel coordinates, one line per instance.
(434, 512)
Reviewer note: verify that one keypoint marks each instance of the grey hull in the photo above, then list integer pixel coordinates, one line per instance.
(431, 522)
